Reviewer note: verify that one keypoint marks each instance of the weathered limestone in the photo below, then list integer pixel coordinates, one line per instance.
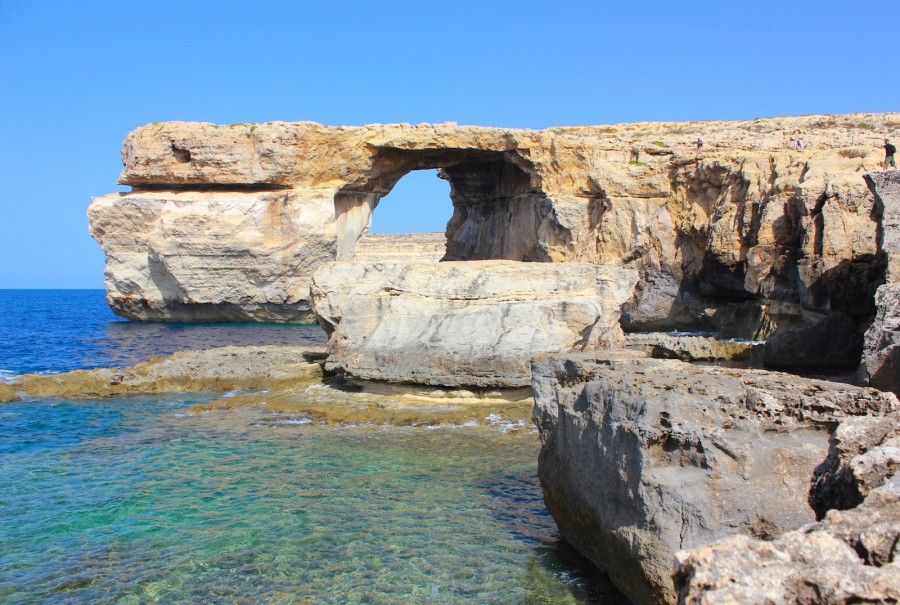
(851, 556)
(642, 458)
(880, 366)
(692, 347)
(208, 370)
(213, 256)
(475, 323)
(743, 220)
(881, 350)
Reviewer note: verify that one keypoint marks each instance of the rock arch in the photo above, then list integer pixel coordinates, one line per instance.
(499, 206)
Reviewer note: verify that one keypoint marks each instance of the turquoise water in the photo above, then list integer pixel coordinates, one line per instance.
(132, 501)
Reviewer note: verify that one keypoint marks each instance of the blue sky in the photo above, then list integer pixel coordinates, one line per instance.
(76, 77)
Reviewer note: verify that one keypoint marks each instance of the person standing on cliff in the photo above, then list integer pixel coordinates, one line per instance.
(889, 151)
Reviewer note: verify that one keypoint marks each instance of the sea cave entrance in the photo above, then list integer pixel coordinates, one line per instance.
(499, 208)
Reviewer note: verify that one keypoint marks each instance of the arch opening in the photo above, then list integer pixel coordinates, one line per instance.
(499, 208)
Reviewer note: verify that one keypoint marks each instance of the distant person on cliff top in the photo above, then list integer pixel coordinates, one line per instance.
(699, 143)
(889, 151)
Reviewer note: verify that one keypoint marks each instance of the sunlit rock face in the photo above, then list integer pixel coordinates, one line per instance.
(741, 233)
(642, 458)
(880, 365)
(475, 323)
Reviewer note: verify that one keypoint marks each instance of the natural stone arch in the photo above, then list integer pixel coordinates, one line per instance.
(499, 206)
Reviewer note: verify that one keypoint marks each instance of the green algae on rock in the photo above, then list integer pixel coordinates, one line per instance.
(208, 370)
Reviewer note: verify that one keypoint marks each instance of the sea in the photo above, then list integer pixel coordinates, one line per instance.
(131, 500)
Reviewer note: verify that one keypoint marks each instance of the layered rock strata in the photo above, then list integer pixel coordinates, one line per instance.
(851, 556)
(642, 458)
(474, 323)
(229, 222)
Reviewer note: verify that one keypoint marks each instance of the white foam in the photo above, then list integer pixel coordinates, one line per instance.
(504, 425)
(295, 421)
(7, 376)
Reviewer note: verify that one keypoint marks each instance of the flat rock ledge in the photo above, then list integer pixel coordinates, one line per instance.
(285, 380)
(471, 323)
(642, 458)
(207, 370)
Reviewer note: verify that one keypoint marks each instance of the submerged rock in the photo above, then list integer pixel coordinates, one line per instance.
(208, 370)
(339, 401)
(475, 323)
(642, 458)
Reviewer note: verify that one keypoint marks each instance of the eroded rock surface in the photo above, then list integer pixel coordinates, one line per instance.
(851, 556)
(475, 323)
(694, 347)
(642, 457)
(880, 366)
(244, 213)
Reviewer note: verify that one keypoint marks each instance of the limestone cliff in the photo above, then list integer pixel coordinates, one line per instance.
(229, 222)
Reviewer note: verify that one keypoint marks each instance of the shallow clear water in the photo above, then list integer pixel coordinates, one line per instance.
(62, 330)
(131, 501)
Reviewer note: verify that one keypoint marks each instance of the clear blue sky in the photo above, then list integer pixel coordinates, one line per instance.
(77, 76)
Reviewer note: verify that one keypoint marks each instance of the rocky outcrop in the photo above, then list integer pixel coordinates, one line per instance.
(474, 323)
(229, 222)
(288, 383)
(213, 256)
(851, 556)
(880, 365)
(642, 458)
(881, 352)
(208, 370)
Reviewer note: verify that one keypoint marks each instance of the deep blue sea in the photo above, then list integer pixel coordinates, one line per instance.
(62, 330)
(131, 500)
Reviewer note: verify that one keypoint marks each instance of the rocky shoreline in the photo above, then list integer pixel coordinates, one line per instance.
(649, 292)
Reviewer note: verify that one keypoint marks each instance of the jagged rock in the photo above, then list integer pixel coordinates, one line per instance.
(885, 186)
(641, 458)
(847, 475)
(691, 347)
(849, 557)
(880, 366)
(217, 369)
(744, 219)
(475, 323)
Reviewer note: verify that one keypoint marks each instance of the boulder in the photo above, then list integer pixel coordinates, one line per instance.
(475, 323)
(641, 458)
